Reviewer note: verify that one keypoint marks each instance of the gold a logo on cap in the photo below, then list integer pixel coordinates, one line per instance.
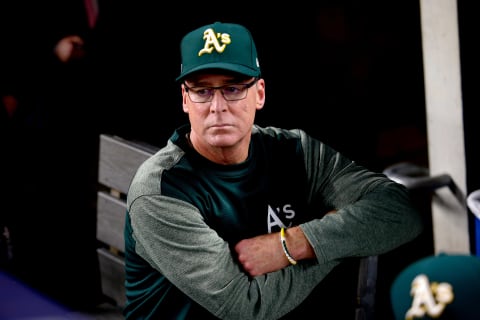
(428, 298)
(213, 40)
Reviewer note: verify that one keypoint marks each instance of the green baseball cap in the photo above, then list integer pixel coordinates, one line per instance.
(443, 286)
(221, 46)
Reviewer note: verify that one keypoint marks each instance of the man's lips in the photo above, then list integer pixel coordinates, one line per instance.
(220, 126)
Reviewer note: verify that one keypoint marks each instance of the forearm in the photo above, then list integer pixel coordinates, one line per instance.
(298, 244)
(380, 221)
(264, 253)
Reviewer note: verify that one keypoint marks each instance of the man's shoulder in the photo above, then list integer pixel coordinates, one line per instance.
(149, 173)
(164, 159)
(278, 131)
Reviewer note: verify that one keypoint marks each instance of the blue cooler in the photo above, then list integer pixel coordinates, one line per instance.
(473, 202)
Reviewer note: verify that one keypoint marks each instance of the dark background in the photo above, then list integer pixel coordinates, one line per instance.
(349, 73)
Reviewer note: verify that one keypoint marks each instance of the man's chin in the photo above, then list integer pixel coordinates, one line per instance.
(222, 140)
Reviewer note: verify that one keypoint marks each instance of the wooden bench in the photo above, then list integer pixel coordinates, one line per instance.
(118, 162)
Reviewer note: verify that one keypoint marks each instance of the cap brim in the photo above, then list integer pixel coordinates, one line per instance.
(236, 68)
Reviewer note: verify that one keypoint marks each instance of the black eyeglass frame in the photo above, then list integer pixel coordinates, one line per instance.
(210, 98)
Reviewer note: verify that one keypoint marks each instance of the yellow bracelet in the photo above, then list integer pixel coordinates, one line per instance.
(284, 246)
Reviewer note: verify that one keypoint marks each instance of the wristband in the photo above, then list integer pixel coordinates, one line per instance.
(284, 246)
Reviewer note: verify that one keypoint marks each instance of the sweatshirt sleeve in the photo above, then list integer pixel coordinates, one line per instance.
(374, 213)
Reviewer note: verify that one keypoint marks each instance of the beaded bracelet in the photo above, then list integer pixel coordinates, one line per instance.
(284, 246)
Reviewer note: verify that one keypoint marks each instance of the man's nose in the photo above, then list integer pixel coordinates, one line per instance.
(218, 102)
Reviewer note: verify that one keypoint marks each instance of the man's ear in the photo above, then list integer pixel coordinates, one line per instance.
(260, 86)
(184, 100)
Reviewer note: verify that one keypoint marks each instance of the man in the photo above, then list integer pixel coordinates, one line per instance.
(231, 220)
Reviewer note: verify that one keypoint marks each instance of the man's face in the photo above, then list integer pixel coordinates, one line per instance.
(226, 117)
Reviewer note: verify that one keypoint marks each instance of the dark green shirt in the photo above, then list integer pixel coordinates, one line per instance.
(185, 213)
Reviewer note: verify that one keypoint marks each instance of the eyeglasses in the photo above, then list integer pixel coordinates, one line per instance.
(230, 92)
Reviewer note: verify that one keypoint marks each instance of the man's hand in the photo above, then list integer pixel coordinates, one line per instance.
(261, 254)
(69, 48)
(264, 253)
